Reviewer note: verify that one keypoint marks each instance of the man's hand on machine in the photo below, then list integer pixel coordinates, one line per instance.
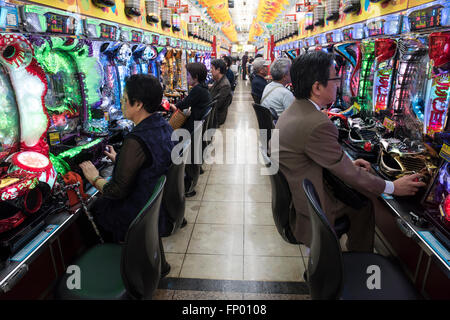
(363, 164)
(110, 153)
(89, 170)
(408, 185)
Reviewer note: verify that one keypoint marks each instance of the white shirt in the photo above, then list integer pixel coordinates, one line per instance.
(389, 187)
(277, 97)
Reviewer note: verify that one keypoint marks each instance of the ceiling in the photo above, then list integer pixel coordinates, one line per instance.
(243, 13)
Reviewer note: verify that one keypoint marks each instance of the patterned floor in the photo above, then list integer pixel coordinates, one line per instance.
(230, 248)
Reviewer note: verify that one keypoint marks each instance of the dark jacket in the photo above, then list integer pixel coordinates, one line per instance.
(244, 60)
(258, 85)
(115, 215)
(230, 77)
(198, 99)
(221, 91)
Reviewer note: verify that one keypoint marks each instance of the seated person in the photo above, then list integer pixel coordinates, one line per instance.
(276, 95)
(143, 158)
(198, 98)
(221, 90)
(308, 144)
(260, 67)
(229, 74)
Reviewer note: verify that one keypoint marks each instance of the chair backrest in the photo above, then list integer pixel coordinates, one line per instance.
(206, 118)
(281, 204)
(196, 148)
(256, 98)
(141, 254)
(265, 120)
(325, 266)
(173, 200)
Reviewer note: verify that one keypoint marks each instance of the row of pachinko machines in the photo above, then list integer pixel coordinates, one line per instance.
(61, 82)
(392, 106)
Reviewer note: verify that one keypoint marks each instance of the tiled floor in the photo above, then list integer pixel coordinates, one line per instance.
(230, 233)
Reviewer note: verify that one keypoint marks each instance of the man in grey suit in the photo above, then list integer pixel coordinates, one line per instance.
(308, 143)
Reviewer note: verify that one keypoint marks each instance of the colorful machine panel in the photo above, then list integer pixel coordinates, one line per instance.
(410, 87)
(48, 20)
(438, 94)
(9, 118)
(349, 70)
(64, 100)
(366, 76)
(385, 64)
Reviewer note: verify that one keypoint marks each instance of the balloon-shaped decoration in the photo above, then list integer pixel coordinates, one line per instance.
(152, 8)
(133, 8)
(104, 3)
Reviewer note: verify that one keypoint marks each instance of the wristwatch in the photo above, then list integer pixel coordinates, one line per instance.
(95, 180)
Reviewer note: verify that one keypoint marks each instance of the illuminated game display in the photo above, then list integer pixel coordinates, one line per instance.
(385, 66)
(420, 99)
(438, 96)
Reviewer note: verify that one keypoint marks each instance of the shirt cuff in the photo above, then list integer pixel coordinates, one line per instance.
(389, 188)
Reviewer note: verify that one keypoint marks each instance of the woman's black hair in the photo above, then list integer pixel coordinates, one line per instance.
(227, 60)
(309, 68)
(197, 71)
(219, 64)
(146, 89)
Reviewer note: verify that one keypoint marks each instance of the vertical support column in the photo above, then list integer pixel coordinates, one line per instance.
(214, 48)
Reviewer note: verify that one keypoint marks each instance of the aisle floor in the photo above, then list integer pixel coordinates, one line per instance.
(230, 248)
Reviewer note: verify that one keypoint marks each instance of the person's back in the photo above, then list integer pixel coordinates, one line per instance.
(198, 98)
(144, 157)
(220, 91)
(276, 96)
(259, 83)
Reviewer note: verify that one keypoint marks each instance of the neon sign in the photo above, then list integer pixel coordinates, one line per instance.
(381, 89)
(438, 104)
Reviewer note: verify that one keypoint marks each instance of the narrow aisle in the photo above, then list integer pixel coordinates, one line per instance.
(230, 248)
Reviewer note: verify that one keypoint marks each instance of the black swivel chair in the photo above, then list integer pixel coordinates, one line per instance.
(132, 270)
(174, 200)
(265, 122)
(256, 98)
(192, 169)
(336, 275)
(283, 208)
(222, 114)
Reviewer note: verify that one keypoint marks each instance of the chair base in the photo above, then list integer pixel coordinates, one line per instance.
(190, 194)
(364, 270)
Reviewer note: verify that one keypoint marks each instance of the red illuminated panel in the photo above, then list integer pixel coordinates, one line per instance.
(439, 48)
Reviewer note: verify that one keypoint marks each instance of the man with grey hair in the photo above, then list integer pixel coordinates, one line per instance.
(276, 96)
(260, 67)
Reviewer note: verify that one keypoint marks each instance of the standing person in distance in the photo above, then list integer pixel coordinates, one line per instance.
(244, 65)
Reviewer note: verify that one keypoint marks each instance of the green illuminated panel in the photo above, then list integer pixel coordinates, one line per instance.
(75, 151)
(366, 75)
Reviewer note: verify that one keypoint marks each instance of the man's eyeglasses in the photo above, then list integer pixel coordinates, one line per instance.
(334, 79)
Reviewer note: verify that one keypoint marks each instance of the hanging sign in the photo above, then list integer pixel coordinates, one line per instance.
(290, 18)
(194, 19)
(173, 4)
(184, 8)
